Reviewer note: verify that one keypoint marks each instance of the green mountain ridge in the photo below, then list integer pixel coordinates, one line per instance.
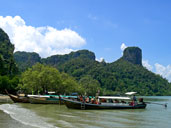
(125, 74)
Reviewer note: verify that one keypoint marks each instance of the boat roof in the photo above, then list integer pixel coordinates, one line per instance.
(52, 96)
(130, 93)
(37, 96)
(51, 92)
(114, 97)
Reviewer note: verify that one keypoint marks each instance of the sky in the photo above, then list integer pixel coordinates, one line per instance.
(104, 27)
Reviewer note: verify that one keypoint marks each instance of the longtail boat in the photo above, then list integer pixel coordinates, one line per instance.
(106, 102)
(18, 99)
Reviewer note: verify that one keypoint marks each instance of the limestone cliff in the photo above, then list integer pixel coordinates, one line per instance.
(7, 64)
(133, 55)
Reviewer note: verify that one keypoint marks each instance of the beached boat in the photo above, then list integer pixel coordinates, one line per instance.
(18, 99)
(111, 102)
(21, 98)
(45, 100)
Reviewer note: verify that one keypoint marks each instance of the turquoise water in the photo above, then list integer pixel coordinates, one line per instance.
(51, 116)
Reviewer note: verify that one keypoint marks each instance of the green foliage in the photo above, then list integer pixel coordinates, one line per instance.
(69, 85)
(90, 85)
(8, 68)
(7, 64)
(41, 78)
(4, 83)
(8, 83)
(133, 77)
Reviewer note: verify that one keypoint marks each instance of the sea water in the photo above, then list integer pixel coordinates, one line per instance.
(54, 116)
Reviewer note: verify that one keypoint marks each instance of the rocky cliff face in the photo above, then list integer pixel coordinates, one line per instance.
(26, 60)
(7, 64)
(59, 59)
(133, 55)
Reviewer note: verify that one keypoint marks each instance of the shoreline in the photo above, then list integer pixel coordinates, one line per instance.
(5, 99)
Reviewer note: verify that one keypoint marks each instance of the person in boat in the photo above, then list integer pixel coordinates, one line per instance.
(92, 100)
(116, 101)
(78, 98)
(87, 99)
(110, 101)
(141, 100)
(134, 99)
(25, 95)
(102, 100)
(123, 102)
(96, 101)
(81, 98)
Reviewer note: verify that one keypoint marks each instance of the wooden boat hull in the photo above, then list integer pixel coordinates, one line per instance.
(44, 100)
(19, 99)
(77, 105)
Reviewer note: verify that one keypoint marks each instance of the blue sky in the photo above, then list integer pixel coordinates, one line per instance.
(101, 26)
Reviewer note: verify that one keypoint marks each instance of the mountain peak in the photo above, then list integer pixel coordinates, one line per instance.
(133, 55)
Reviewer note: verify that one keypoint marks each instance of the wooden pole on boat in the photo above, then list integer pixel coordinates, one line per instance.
(59, 99)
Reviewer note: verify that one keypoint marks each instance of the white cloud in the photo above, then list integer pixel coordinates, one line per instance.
(146, 64)
(44, 40)
(100, 60)
(164, 71)
(123, 46)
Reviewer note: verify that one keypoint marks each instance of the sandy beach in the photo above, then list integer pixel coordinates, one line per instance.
(5, 99)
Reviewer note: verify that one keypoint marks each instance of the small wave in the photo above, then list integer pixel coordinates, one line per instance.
(70, 116)
(25, 116)
(65, 123)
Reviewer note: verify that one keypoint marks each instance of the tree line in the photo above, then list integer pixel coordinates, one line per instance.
(40, 79)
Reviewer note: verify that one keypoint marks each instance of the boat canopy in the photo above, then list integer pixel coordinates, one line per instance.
(55, 96)
(51, 92)
(130, 93)
(37, 95)
(114, 97)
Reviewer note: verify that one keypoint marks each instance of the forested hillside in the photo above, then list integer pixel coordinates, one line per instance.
(125, 74)
(7, 64)
(26, 60)
(8, 69)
